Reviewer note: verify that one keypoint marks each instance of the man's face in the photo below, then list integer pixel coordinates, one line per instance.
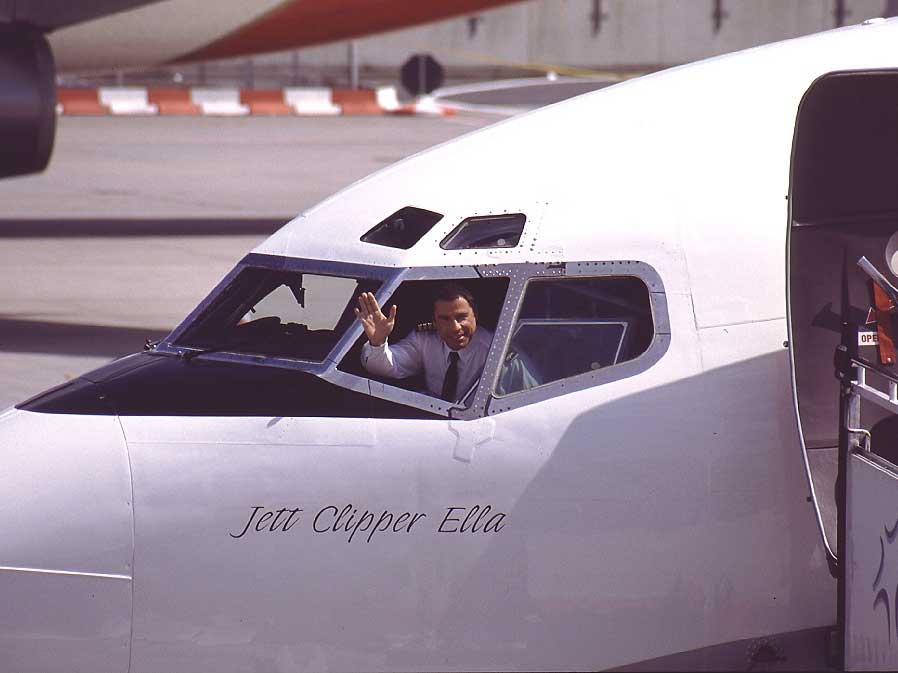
(455, 322)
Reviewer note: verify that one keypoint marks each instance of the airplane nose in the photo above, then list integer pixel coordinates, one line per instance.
(66, 526)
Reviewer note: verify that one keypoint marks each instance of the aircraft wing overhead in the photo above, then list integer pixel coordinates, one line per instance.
(177, 31)
(308, 22)
(53, 14)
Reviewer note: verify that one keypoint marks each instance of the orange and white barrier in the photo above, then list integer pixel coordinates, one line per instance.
(312, 101)
(173, 101)
(127, 101)
(80, 102)
(203, 101)
(219, 102)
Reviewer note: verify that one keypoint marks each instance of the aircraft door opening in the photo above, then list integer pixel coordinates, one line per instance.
(843, 236)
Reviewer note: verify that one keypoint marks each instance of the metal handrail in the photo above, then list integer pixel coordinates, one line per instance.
(864, 364)
(860, 386)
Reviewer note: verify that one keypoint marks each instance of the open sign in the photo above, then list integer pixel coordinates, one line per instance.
(867, 339)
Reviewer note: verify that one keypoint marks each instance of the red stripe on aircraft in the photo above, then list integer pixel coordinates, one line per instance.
(303, 23)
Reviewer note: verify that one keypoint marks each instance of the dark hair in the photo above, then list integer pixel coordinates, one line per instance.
(451, 292)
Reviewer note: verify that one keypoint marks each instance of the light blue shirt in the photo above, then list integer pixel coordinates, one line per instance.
(427, 352)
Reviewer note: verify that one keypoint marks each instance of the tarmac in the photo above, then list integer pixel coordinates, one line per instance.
(137, 219)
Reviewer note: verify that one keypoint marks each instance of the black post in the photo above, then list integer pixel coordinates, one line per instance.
(422, 74)
(597, 16)
(249, 75)
(294, 66)
(849, 407)
(840, 13)
(718, 14)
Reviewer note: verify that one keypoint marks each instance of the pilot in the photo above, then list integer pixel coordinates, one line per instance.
(451, 358)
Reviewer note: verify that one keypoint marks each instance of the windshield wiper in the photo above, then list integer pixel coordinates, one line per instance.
(212, 349)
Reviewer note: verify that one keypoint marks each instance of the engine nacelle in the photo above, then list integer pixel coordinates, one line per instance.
(27, 100)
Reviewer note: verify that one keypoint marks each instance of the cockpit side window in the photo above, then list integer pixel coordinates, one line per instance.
(571, 326)
(277, 313)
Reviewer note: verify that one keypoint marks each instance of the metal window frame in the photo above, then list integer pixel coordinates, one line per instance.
(169, 345)
(484, 402)
(494, 404)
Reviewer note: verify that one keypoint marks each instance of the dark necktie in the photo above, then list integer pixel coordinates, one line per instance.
(450, 382)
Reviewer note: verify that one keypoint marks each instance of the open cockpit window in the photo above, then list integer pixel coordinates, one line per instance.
(278, 313)
(421, 341)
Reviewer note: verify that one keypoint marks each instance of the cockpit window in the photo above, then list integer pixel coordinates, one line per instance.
(493, 231)
(419, 343)
(278, 313)
(403, 228)
(571, 326)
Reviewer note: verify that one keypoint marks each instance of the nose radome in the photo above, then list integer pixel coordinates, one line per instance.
(69, 475)
(66, 526)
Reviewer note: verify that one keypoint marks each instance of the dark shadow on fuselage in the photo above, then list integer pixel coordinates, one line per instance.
(655, 516)
(125, 227)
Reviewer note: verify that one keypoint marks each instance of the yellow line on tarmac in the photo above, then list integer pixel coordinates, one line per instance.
(569, 71)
